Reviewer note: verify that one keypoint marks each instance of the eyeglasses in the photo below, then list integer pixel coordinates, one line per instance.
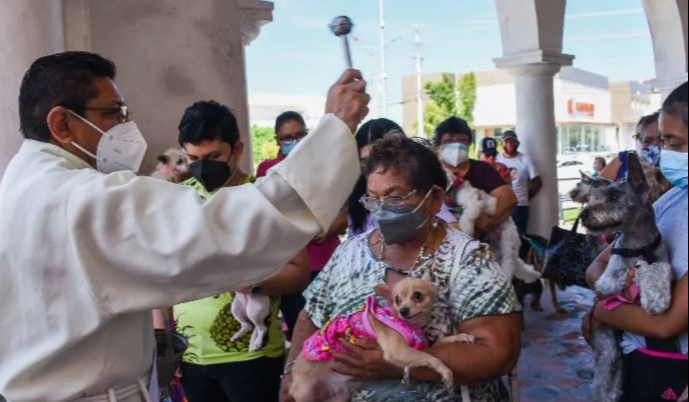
(294, 137)
(648, 141)
(373, 203)
(122, 114)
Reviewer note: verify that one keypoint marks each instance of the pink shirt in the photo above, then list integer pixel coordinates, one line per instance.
(319, 253)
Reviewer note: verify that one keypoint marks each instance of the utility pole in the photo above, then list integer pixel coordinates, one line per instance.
(420, 103)
(383, 63)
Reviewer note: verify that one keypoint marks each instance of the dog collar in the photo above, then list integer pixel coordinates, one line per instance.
(648, 252)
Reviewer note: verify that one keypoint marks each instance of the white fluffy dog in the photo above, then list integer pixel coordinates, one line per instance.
(172, 166)
(251, 311)
(504, 240)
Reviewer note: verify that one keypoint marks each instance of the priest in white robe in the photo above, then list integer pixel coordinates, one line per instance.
(87, 249)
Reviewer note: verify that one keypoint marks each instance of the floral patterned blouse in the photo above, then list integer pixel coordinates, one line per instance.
(470, 285)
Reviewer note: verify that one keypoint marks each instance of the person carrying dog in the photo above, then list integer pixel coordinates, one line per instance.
(406, 189)
(656, 365)
(216, 368)
(453, 138)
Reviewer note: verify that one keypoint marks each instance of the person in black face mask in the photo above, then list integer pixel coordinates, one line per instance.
(218, 368)
(210, 137)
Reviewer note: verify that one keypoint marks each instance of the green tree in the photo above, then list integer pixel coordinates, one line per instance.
(466, 101)
(263, 144)
(450, 97)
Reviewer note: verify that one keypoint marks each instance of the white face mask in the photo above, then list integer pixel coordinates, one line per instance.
(454, 154)
(122, 148)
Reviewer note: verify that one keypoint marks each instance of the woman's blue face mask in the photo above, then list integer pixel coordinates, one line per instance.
(288, 146)
(674, 167)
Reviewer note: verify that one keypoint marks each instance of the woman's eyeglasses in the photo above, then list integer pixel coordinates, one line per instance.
(294, 137)
(373, 203)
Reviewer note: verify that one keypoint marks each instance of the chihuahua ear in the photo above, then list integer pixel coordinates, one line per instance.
(384, 291)
(427, 277)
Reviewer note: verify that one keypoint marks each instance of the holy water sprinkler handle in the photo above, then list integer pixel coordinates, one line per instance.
(342, 27)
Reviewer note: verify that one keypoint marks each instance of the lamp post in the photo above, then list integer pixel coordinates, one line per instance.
(420, 107)
(383, 62)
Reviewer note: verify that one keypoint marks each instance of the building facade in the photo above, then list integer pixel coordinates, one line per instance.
(264, 108)
(593, 116)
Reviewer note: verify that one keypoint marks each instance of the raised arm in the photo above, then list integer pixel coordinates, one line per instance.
(144, 243)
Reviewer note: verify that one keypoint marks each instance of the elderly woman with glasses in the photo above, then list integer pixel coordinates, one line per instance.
(406, 185)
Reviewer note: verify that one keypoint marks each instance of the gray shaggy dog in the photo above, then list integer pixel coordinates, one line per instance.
(624, 209)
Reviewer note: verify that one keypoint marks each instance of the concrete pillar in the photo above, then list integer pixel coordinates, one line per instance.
(532, 37)
(667, 20)
(28, 29)
(170, 55)
(538, 134)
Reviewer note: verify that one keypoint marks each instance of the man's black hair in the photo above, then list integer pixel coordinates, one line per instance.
(374, 130)
(676, 104)
(287, 117)
(453, 126)
(63, 79)
(208, 121)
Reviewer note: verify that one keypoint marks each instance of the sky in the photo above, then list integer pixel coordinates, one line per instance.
(298, 55)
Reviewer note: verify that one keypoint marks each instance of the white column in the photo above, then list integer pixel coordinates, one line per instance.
(170, 55)
(667, 20)
(538, 134)
(29, 29)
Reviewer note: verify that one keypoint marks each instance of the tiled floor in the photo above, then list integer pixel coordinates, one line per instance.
(556, 362)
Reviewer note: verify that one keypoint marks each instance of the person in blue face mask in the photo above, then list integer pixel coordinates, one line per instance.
(290, 129)
(655, 347)
(648, 144)
(673, 126)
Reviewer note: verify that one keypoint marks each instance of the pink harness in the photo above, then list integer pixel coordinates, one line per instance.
(614, 302)
(321, 345)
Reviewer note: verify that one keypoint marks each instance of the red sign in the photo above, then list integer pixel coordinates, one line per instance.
(581, 109)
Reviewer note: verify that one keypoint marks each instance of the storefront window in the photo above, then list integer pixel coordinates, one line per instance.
(576, 138)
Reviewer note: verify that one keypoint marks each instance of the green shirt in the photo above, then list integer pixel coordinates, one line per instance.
(208, 324)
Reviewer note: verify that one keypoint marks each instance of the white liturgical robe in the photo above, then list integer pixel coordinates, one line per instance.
(85, 256)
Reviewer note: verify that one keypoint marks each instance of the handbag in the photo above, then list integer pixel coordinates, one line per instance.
(568, 256)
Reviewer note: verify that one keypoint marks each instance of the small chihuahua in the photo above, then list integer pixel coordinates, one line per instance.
(411, 302)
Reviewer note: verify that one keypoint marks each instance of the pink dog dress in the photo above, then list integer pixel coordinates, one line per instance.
(616, 301)
(357, 327)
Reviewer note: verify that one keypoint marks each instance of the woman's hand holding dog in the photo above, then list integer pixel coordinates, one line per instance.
(284, 391)
(366, 362)
(590, 325)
